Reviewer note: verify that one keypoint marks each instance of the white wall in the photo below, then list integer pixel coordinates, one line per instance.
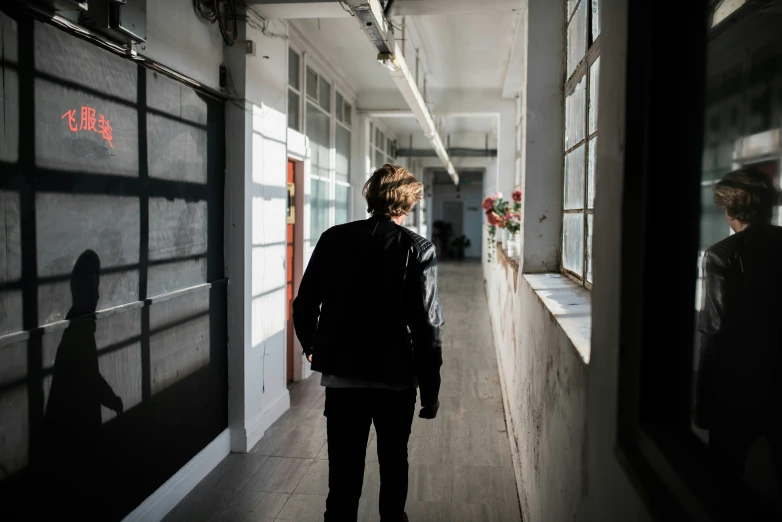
(190, 46)
(256, 193)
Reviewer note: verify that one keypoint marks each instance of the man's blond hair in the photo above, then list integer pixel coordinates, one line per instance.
(391, 191)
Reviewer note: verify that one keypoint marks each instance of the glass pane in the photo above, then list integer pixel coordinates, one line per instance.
(342, 146)
(341, 202)
(346, 114)
(576, 38)
(595, 19)
(735, 353)
(325, 95)
(573, 243)
(312, 84)
(575, 106)
(338, 103)
(319, 209)
(574, 179)
(320, 137)
(389, 147)
(293, 110)
(591, 172)
(293, 69)
(594, 90)
(589, 248)
(380, 159)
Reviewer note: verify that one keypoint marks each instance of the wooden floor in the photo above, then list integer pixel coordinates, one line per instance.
(460, 463)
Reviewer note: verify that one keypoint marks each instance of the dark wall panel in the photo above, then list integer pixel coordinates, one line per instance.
(112, 298)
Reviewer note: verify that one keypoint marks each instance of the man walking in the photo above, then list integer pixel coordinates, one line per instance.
(369, 319)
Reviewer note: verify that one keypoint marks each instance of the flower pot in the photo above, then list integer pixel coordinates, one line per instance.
(505, 237)
(514, 244)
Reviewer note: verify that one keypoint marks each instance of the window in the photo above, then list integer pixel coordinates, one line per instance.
(328, 128)
(319, 134)
(714, 51)
(342, 139)
(581, 90)
(294, 90)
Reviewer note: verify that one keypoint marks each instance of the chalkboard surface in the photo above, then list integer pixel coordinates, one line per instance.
(111, 217)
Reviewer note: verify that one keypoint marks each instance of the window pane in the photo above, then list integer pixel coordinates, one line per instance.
(342, 146)
(573, 243)
(293, 69)
(739, 329)
(320, 137)
(591, 171)
(571, 4)
(346, 114)
(575, 108)
(595, 19)
(338, 103)
(589, 248)
(380, 159)
(576, 38)
(312, 84)
(594, 90)
(293, 110)
(574, 179)
(341, 202)
(319, 209)
(325, 95)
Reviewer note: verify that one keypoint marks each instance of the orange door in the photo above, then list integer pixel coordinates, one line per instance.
(289, 269)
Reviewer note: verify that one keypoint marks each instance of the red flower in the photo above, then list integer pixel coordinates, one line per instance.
(493, 218)
(488, 203)
(517, 196)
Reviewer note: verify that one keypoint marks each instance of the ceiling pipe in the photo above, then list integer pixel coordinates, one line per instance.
(370, 15)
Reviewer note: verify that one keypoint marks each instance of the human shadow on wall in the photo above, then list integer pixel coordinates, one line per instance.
(72, 421)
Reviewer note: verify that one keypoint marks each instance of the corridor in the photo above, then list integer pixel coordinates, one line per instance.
(460, 463)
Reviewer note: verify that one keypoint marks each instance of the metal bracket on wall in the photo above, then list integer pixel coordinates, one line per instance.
(249, 46)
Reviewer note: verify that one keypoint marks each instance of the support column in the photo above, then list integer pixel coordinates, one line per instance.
(542, 136)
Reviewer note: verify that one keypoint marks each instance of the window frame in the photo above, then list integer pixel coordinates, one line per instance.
(580, 72)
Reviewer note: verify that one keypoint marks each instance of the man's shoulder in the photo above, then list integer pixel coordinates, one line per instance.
(420, 243)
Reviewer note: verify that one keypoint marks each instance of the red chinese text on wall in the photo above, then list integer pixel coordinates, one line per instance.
(88, 122)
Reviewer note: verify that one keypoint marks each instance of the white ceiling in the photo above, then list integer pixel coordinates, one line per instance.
(467, 51)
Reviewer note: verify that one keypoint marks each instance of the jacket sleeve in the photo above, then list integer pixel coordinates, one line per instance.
(711, 325)
(306, 306)
(425, 327)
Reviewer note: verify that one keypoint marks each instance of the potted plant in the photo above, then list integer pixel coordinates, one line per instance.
(442, 236)
(459, 245)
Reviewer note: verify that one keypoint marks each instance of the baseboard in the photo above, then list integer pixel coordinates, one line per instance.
(266, 418)
(167, 496)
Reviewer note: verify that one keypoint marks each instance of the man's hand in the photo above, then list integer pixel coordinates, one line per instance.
(429, 412)
(309, 358)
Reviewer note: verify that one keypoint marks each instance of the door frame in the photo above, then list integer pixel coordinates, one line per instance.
(300, 367)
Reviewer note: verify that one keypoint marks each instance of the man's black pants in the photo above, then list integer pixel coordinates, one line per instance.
(350, 412)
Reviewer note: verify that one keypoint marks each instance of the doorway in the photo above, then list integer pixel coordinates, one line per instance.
(452, 213)
(289, 266)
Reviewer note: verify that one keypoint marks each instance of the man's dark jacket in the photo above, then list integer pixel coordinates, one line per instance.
(368, 309)
(741, 326)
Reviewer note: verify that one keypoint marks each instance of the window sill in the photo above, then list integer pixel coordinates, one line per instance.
(569, 304)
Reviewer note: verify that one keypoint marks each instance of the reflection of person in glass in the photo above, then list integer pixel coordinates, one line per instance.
(738, 391)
